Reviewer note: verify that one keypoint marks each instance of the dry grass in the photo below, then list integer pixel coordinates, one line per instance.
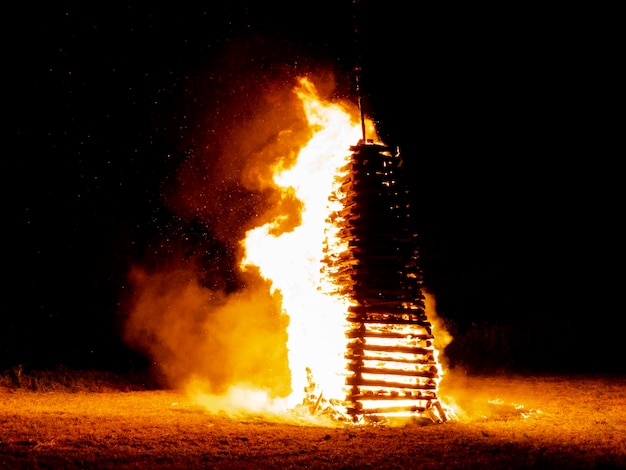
(565, 422)
(64, 379)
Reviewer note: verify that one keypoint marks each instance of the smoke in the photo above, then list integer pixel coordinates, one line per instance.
(442, 335)
(457, 391)
(206, 325)
(247, 120)
(191, 331)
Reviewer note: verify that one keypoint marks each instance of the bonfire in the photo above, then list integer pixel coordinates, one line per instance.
(360, 344)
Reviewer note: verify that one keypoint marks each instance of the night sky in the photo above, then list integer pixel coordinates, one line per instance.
(510, 120)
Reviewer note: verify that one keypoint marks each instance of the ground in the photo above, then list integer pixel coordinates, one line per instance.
(498, 422)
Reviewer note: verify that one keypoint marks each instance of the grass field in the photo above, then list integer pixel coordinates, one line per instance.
(500, 422)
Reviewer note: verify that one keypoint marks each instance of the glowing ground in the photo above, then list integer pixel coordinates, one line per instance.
(502, 422)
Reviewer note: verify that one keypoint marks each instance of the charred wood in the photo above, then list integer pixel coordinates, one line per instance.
(384, 334)
(405, 373)
(395, 349)
(394, 395)
(383, 383)
(361, 358)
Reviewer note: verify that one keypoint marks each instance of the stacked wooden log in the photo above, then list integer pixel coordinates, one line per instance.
(392, 364)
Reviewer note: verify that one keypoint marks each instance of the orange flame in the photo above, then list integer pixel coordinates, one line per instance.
(293, 260)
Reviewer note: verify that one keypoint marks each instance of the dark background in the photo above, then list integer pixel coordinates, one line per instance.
(510, 120)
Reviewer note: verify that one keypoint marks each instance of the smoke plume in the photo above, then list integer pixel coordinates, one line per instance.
(193, 311)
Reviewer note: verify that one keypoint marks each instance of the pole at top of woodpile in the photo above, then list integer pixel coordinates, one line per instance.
(358, 87)
(357, 69)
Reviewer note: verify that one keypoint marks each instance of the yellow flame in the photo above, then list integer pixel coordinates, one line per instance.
(293, 260)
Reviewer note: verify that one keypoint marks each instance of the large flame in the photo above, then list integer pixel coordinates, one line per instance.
(292, 260)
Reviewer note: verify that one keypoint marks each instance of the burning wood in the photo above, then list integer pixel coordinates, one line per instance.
(391, 357)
